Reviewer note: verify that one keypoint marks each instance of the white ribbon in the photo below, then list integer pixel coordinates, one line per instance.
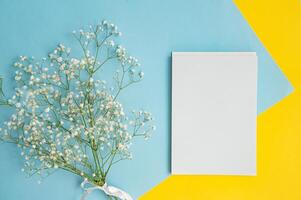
(108, 190)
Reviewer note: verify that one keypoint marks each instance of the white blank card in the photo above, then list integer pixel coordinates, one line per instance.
(214, 100)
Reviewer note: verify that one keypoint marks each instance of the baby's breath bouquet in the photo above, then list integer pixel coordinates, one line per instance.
(65, 118)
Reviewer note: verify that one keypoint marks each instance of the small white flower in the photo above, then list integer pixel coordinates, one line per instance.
(23, 58)
(60, 59)
(141, 74)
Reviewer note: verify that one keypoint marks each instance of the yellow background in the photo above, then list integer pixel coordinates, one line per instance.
(277, 23)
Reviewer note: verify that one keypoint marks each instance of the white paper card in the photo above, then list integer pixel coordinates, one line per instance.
(214, 100)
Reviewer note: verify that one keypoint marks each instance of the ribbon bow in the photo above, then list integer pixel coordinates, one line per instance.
(108, 190)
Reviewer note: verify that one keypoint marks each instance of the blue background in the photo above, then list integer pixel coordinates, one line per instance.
(152, 29)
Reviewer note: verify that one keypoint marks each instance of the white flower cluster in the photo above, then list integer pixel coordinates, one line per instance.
(65, 118)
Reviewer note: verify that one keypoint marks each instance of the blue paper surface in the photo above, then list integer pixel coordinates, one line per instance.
(151, 31)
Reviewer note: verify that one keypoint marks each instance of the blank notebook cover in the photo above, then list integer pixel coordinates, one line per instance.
(214, 100)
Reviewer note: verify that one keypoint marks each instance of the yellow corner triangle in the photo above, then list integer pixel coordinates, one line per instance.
(277, 23)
